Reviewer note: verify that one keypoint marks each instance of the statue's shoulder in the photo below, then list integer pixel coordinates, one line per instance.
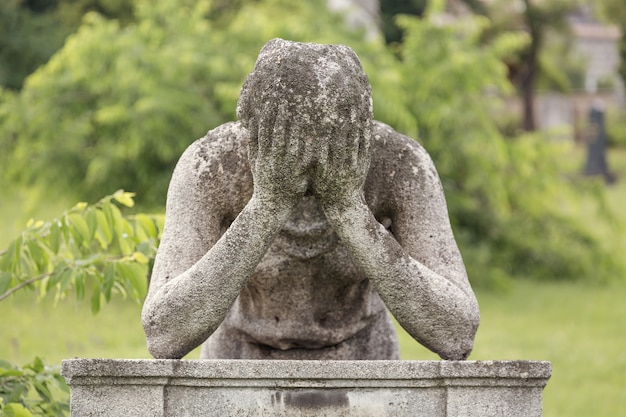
(215, 168)
(229, 140)
(398, 153)
(401, 172)
(221, 152)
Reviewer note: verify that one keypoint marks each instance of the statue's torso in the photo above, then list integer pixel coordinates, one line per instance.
(306, 293)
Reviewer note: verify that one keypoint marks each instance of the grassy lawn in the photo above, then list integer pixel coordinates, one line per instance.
(579, 327)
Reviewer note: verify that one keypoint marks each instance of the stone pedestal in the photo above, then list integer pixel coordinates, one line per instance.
(105, 387)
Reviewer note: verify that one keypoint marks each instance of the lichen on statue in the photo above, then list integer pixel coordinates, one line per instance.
(292, 232)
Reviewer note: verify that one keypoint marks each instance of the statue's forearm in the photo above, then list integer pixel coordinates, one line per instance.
(188, 308)
(428, 305)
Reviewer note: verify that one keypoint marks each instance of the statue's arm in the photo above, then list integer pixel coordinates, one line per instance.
(416, 267)
(199, 271)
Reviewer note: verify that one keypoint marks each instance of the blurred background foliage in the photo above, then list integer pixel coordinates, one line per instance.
(130, 88)
(101, 95)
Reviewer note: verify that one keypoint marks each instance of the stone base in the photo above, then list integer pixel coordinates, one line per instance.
(105, 387)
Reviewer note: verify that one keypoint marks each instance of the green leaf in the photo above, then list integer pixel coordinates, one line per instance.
(124, 198)
(147, 224)
(119, 226)
(44, 285)
(37, 254)
(80, 206)
(124, 232)
(124, 244)
(140, 258)
(64, 279)
(12, 257)
(54, 238)
(81, 226)
(61, 383)
(147, 247)
(104, 232)
(50, 282)
(17, 250)
(16, 410)
(95, 299)
(137, 277)
(43, 391)
(37, 365)
(89, 260)
(27, 266)
(139, 233)
(109, 280)
(92, 222)
(17, 391)
(79, 284)
(10, 372)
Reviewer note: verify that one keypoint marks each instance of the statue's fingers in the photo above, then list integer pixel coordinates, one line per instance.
(294, 140)
(323, 145)
(344, 153)
(279, 133)
(336, 144)
(353, 147)
(365, 143)
(308, 151)
(253, 142)
(265, 129)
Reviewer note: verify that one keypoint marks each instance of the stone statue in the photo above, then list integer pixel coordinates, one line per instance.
(289, 233)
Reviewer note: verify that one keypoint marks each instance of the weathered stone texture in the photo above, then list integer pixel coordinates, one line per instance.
(168, 388)
(290, 233)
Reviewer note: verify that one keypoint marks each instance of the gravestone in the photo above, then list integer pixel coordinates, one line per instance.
(596, 163)
(290, 235)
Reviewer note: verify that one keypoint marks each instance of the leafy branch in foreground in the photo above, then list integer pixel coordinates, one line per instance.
(93, 247)
(33, 389)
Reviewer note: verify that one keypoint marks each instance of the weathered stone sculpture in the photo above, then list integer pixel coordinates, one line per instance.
(288, 232)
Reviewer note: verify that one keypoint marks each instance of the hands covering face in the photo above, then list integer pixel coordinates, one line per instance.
(288, 158)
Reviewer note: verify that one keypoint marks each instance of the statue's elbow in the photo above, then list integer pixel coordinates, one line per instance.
(162, 349)
(460, 351)
(162, 344)
(457, 349)
(461, 343)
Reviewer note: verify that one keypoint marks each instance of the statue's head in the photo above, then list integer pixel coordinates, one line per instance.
(323, 88)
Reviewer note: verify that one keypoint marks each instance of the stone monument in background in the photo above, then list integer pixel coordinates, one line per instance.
(596, 163)
(289, 235)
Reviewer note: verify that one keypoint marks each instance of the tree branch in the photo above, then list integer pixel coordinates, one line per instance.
(24, 284)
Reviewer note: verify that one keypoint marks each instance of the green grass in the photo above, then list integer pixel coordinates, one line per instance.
(68, 330)
(579, 327)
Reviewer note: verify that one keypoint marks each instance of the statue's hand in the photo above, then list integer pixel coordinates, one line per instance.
(342, 168)
(278, 160)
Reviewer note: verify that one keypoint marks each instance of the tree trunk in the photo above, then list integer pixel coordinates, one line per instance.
(528, 92)
(533, 22)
